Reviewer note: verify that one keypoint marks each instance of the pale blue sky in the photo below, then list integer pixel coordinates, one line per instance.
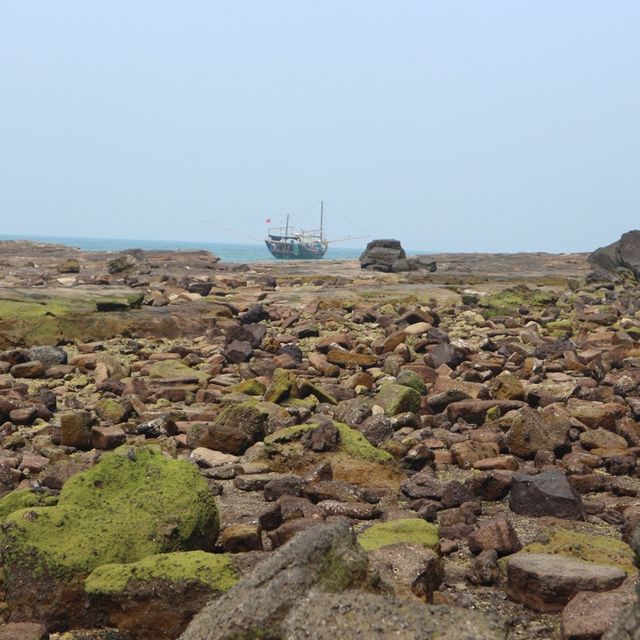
(493, 125)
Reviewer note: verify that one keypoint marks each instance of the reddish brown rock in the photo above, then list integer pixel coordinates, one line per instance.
(498, 535)
(545, 582)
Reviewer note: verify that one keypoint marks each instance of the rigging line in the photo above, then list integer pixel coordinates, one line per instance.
(242, 235)
(345, 218)
(304, 210)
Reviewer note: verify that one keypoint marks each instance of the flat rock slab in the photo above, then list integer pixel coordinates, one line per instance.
(546, 582)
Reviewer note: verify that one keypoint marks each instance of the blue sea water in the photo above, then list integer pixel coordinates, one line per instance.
(226, 252)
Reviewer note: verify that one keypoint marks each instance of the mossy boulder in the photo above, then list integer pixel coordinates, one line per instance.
(411, 379)
(413, 530)
(251, 387)
(130, 505)
(583, 546)
(236, 428)
(24, 498)
(157, 596)
(351, 442)
(397, 398)
(283, 386)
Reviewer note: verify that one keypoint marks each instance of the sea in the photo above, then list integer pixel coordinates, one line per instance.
(226, 252)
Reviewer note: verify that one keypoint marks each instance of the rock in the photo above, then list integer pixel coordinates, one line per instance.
(238, 351)
(475, 411)
(352, 359)
(397, 398)
(497, 535)
(356, 615)
(467, 453)
(177, 372)
(107, 437)
(532, 431)
(236, 428)
(602, 439)
(506, 386)
(590, 614)
(491, 485)
(48, 356)
(163, 425)
(325, 555)
(123, 262)
(157, 596)
(32, 369)
(283, 386)
(409, 569)
(23, 631)
(546, 494)
(546, 582)
(209, 458)
(619, 257)
(239, 538)
(128, 506)
(323, 438)
(70, 265)
(601, 549)
(484, 568)
(380, 255)
(76, 429)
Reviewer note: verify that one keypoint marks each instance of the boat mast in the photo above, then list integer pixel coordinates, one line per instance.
(321, 217)
(286, 231)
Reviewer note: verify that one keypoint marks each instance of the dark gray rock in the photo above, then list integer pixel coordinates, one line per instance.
(619, 257)
(327, 556)
(545, 494)
(380, 255)
(49, 356)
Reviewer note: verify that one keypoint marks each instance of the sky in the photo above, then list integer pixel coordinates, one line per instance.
(456, 125)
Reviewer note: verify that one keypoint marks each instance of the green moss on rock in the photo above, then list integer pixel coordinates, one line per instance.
(406, 530)
(130, 505)
(582, 546)
(397, 398)
(250, 387)
(215, 571)
(352, 442)
(23, 499)
(167, 369)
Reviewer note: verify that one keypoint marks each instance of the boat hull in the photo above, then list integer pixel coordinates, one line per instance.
(296, 250)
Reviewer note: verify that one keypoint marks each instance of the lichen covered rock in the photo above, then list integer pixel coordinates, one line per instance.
(157, 596)
(130, 505)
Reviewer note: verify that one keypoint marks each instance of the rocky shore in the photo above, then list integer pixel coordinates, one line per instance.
(199, 450)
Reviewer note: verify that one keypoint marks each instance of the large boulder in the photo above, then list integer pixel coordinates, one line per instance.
(389, 256)
(130, 505)
(618, 258)
(380, 255)
(326, 555)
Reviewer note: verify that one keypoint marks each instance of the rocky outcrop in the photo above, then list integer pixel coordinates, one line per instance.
(620, 258)
(389, 256)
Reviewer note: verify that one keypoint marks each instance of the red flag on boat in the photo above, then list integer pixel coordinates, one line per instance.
(268, 220)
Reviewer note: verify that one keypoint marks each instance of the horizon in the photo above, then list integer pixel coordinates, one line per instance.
(491, 127)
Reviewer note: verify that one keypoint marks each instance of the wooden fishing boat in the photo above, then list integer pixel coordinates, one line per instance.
(289, 243)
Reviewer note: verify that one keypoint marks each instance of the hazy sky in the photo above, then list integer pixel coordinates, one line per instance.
(495, 125)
